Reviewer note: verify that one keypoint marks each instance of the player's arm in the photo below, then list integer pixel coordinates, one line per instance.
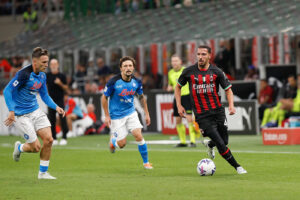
(182, 80)
(169, 87)
(48, 100)
(13, 84)
(143, 100)
(226, 85)
(104, 102)
(229, 95)
(181, 110)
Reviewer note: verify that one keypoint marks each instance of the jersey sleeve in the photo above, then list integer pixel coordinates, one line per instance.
(45, 96)
(109, 88)
(183, 78)
(140, 87)
(169, 78)
(224, 82)
(19, 80)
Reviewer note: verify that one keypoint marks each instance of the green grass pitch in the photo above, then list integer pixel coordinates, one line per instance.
(87, 170)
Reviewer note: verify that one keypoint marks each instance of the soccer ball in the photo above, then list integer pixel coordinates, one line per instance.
(206, 167)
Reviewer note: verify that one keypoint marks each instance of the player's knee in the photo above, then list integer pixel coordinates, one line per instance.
(48, 141)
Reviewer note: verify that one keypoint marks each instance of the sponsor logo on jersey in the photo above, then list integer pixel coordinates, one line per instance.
(204, 88)
(36, 86)
(126, 93)
(15, 83)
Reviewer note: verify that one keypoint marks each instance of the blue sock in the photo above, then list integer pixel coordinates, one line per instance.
(144, 152)
(114, 142)
(44, 164)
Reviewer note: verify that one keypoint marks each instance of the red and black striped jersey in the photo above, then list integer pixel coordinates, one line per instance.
(204, 87)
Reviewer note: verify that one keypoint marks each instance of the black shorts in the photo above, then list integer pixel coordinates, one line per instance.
(215, 119)
(186, 103)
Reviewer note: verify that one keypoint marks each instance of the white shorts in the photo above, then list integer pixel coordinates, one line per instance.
(121, 127)
(30, 123)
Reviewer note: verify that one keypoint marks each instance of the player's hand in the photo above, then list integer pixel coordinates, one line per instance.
(60, 111)
(148, 120)
(181, 111)
(231, 110)
(57, 81)
(10, 119)
(107, 121)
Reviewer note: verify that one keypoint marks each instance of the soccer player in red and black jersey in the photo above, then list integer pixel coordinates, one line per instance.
(204, 80)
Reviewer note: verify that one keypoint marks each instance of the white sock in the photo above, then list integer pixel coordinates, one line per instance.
(141, 142)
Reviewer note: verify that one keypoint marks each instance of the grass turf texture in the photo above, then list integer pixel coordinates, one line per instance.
(87, 170)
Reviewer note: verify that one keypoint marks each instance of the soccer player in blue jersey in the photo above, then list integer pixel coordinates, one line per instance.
(20, 97)
(120, 114)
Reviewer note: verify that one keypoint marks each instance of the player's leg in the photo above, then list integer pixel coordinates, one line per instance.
(43, 130)
(135, 127)
(186, 103)
(142, 147)
(118, 134)
(52, 119)
(32, 144)
(179, 127)
(46, 136)
(192, 131)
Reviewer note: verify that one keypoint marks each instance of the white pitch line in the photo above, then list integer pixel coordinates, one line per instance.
(172, 149)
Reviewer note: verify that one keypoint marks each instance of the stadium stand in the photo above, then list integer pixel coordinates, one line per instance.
(216, 19)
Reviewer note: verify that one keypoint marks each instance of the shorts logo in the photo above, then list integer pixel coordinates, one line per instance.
(16, 82)
(115, 134)
(26, 137)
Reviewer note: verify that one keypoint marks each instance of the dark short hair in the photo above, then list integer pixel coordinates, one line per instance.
(205, 47)
(38, 52)
(125, 58)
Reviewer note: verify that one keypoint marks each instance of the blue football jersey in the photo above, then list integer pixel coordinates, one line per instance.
(20, 93)
(121, 95)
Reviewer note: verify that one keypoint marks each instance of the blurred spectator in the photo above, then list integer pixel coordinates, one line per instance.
(73, 112)
(187, 3)
(30, 19)
(118, 7)
(222, 59)
(274, 116)
(91, 111)
(252, 73)
(103, 69)
(79, 77)
(265, 97)
(148, 82)
(17, 62)
(5, 68)
(135, 5)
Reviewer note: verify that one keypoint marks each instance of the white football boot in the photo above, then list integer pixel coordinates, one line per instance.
(17, 153)
(241, 170)
(210, 151)
(45, 175)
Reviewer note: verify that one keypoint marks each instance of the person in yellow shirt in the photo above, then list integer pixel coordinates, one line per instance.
(173, 76)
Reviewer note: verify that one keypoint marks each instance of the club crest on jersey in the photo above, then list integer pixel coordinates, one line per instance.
(36, 86)
(126, 93)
